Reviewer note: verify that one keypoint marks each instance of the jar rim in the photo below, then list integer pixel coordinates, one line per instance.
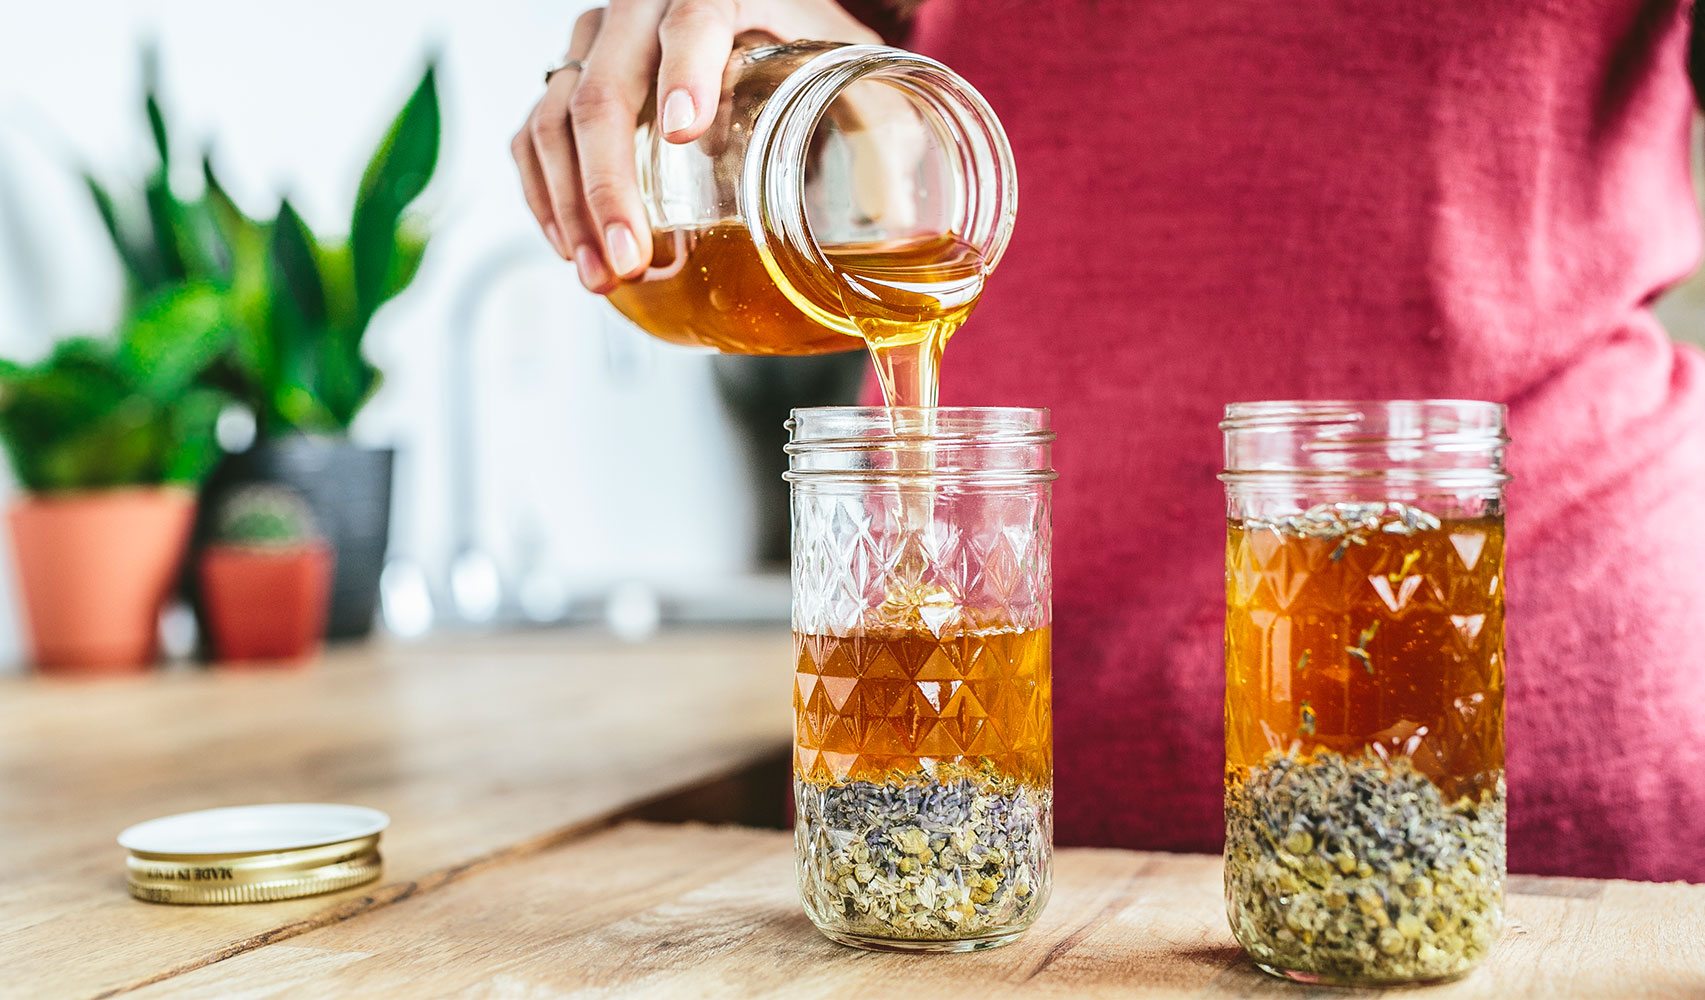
(773, 195)
(982, 446)
(1258, 414)
(1421, 442)
(814, 425)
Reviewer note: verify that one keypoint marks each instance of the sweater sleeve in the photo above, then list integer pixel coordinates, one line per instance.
(892, 19)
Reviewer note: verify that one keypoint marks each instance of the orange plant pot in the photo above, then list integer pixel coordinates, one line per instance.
(93, 571)
(266, 604)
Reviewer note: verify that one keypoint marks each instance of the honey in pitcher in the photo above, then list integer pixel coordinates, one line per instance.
(907, 300)
(709, 288)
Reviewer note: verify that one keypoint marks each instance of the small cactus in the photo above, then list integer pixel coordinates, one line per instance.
(264, 516)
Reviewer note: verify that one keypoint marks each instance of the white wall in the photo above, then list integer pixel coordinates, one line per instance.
(600, 450)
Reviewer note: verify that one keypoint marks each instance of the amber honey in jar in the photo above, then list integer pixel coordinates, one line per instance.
(845, 195)
(923, 743)
(1365, 687)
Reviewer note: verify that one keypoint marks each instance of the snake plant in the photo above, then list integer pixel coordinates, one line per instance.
(297, 305)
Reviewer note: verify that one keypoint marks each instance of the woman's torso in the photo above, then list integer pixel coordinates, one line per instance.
(1245, 200)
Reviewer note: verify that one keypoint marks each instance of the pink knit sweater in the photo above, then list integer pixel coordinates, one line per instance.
(1238, 200)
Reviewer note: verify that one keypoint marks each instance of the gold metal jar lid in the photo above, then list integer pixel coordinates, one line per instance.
(253, 854)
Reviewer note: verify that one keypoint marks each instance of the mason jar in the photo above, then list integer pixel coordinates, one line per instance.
(923, 740)
(816, 149)
(1364, 706)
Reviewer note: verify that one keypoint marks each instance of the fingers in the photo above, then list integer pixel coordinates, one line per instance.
(604, 111)
(534, 190)
(576, 154)
(550, 178)
(553, 143)
(695, 38)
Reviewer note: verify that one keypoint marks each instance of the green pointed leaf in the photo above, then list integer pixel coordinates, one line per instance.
(255, 354)
(206, 256)
(174, 337)
(90, 357)
(301, 410)
(141, 266)
(395, 177)
(410, 251)
(296, 273)
(165, 219)
(233, 232)
(103, 205)
(151, 101)
(230, 218)
(346, 380)
(298, 327)
(249, 291)
(157, 128)
(334, 259)
(194, 428)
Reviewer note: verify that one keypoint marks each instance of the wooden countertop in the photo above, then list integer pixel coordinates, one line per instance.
(503, 764)
(646, 910)
(479, 749)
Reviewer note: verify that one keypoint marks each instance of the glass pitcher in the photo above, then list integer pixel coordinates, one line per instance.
(816, 149)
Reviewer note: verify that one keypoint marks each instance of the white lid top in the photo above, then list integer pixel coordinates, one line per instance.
(281, 826)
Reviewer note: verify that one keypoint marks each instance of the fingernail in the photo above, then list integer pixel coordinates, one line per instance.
(624, 251)
(554, 234)
(591, 268)
(679, 112)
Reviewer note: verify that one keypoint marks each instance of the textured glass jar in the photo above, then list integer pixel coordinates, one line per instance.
(1365, 687)
(815, 145)
(923, 741)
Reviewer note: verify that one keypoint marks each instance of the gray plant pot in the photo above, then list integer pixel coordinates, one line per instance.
(759, 394)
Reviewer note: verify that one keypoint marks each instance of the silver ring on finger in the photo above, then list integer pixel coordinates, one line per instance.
(570, 65)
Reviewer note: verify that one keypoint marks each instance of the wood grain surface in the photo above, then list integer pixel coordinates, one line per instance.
(480, 750)
(690, 911)
(503, 763)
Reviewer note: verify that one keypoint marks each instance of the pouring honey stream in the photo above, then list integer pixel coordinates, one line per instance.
(908, 299)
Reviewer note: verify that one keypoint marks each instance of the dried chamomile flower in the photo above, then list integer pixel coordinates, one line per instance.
(962, 853)
(1358, 871)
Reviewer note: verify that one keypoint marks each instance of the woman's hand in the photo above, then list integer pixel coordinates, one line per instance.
(575, 151)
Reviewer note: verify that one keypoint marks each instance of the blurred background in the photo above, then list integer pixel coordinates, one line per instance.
(551, 463)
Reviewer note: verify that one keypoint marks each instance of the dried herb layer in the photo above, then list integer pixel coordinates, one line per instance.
(1356, 870)
(955, 855)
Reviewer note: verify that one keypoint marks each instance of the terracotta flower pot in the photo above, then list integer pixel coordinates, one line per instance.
(266, 604)
(94, 569)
